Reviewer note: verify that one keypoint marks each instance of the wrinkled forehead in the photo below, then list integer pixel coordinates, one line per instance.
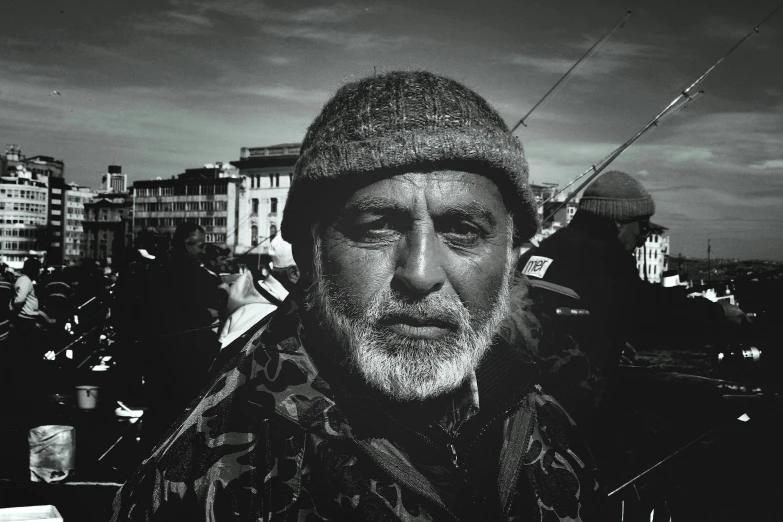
(433, 192)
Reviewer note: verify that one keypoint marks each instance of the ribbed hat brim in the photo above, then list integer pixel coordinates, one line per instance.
(618, 209)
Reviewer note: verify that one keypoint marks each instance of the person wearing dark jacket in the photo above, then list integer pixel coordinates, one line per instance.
(585, 277)
(178, 343)
(378, 390)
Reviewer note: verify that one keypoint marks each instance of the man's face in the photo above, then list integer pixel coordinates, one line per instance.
(194, 246)
(634, 234)
(221, 264)
(412, 277)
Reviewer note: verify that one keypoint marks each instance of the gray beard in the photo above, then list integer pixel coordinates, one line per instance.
(401, 367)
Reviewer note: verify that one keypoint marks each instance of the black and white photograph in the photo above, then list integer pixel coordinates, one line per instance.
(394, 261)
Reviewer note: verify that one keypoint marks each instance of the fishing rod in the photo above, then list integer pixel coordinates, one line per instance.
(680, 102)
(589, 53)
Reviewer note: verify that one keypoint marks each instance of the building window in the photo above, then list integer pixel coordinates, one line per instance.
(273, 203)
(56, 191)
(272, 230)
(277, 180)
(254, 235)
(255, 206)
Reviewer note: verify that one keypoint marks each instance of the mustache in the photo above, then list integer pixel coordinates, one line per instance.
(438, 311)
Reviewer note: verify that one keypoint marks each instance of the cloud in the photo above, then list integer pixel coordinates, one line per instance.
(284, 92)
(337, 13)
(679, 153)
(278, 60)
(190, 18)
(723, 27)
(322, 24)
(673, 188)
(173, 22)
(773, 164)
(349, 39)
(608, 58)
(256, 10)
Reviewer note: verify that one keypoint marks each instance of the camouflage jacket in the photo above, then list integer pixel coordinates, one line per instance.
(271, 440)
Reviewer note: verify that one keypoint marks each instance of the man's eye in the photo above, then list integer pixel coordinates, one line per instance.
(376, 230)
(464, 234)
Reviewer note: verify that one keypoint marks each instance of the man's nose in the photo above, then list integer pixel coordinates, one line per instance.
(419, 268)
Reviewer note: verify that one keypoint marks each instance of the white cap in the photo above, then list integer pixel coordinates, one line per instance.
(281, 253)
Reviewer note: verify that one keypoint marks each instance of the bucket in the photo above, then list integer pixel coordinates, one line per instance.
(87, 397)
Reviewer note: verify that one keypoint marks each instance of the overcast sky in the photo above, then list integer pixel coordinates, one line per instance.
(160, 86)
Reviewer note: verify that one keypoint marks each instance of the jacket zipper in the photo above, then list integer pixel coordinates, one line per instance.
(503, 415)
(451, 451)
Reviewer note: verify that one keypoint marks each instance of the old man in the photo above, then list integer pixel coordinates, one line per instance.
(378, 390)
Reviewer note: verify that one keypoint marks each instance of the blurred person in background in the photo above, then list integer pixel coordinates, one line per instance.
(216, 258)
(178, 341)
(216, 265)
(24, 352)
(249, 300)
(588, 269)
(58, 295)
(6, 304)
(26, 301)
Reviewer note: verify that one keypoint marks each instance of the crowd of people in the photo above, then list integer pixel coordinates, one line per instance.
(37, 310)
(407, 355)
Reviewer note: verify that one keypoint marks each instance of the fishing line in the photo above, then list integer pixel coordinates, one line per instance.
(561, 82)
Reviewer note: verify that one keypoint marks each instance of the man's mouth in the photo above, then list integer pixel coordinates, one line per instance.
(419, 327)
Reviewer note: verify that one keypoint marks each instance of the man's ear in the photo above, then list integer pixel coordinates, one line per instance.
(293, 273)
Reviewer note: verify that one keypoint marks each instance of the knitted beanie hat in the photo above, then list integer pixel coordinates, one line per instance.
(618, 196)
(403, 122)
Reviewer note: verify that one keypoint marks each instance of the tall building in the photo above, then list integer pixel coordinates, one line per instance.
(75, 199)
(107, 225)
(55, 246)
(24, 197)
(268, 172)
(115, 181)
(211, 196)
(652, 258)
(51, 171)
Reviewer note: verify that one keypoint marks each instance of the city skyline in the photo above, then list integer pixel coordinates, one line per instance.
(158, 87)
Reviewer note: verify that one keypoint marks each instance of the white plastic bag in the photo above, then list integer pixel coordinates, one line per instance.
(52, 453)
